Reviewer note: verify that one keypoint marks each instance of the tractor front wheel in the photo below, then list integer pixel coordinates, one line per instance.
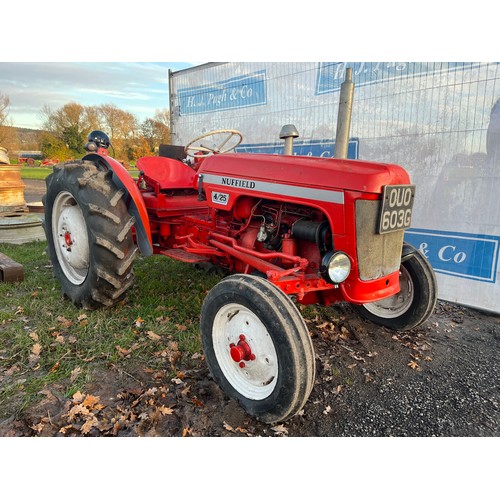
(257, 347)
(89, 237)
(415, 301)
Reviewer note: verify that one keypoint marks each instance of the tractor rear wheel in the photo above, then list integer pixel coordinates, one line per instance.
(413, 304)
(89, 237)
(257, 347)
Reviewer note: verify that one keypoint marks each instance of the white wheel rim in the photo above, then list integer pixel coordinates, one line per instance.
(253, 378)
(396, 305)
(69, 234)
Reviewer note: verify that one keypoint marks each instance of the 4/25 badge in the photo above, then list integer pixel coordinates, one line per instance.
(220, 198)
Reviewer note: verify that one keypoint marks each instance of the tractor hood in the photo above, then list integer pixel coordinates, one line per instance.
(306, 171)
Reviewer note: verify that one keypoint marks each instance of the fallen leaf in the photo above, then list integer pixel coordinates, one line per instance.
(78, 397)
(327, 410)
(344, 333)
(326, 324)
(413, 365)
(181, 328)
(64, 429)
(78, 409)
(280, 430)
(87, 426)
(165, 411)
(38, 428)
(90, 401)
(124, 352)
(13, 369)
(36, 349)
(75, 373)
(153, 336)
(228, 427)
(66, 323)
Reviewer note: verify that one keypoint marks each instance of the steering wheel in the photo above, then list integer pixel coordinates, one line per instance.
(192, 148)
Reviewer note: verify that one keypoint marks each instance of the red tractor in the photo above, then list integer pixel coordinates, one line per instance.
(287, 229)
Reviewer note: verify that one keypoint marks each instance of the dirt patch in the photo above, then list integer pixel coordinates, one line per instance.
(441, 379)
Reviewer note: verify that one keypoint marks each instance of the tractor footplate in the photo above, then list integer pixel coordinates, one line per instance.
(10, 270)
(184, 256)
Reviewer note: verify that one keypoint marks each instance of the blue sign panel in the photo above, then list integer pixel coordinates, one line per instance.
(332, 74)
(471, 256)
(239, 92)
(323, 148)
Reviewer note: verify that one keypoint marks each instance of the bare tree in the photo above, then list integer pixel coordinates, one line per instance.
(8, 135)
(4, 109)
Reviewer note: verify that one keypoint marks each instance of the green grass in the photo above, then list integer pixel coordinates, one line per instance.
(45, 340)
(35, 172)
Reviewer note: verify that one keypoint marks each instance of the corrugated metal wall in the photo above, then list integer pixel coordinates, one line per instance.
(440, 120)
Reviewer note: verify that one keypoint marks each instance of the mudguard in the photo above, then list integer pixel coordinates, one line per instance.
(407, 251)
(136, 207)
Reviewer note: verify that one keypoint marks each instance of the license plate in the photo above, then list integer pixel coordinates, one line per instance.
(397, 205)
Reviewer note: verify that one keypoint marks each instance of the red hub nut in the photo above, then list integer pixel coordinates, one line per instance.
(241, 351)
(67, 238)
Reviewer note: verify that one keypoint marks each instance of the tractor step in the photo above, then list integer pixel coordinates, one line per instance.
(183, 256)
(10, 270)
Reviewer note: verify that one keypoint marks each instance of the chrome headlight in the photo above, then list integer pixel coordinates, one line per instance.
(335, 267)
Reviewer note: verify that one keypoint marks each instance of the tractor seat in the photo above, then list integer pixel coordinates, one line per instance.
(167, 173)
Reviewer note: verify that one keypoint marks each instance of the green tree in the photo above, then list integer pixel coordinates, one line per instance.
(69, 129)
(52, 147)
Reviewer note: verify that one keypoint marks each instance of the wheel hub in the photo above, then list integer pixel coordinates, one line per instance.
(68, 240)
(241, 352)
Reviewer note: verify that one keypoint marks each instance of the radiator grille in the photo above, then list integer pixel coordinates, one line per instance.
(378, 254)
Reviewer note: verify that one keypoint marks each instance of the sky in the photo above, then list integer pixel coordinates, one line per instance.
(140, 88)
